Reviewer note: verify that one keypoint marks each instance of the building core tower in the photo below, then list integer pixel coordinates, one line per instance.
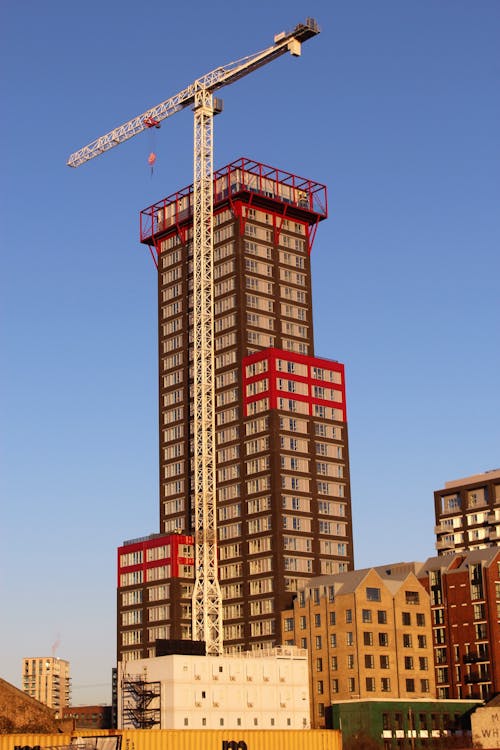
(282, 469)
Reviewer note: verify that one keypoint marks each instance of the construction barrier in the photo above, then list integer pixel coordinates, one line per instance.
(178, 739)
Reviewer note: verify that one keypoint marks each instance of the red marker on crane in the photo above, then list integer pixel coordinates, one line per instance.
(151, 122)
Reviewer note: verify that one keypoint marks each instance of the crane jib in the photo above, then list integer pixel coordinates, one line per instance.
(216, 79)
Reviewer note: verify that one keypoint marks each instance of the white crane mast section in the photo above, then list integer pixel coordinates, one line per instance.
(207, 622)
(212, 81)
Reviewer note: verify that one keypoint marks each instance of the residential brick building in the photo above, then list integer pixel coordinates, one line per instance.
(465, 605)
(368, 634)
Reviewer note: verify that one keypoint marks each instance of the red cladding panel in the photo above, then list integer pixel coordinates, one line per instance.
(271, 356)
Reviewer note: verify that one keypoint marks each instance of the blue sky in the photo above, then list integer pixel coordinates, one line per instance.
(396, 108)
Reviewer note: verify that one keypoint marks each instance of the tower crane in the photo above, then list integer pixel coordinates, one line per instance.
(207, 623)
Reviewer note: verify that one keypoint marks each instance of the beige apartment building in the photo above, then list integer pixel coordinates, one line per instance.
(47, 679)
(368, 634)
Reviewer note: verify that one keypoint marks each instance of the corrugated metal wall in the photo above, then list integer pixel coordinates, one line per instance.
(190, 739)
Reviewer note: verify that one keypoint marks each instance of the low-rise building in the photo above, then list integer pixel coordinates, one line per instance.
(250, 690)
(89, 717)
(368, 635)
(395, 724)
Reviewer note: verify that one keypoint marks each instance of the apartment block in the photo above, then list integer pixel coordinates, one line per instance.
(282, 464)
(155, 586)
(47, 679)
(465, 607)
(368, 634)
(468, 513)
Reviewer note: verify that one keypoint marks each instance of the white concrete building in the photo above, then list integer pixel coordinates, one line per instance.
(250, 690)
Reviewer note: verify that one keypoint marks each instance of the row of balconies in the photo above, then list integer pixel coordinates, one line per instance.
(472, 679)
(490, 520)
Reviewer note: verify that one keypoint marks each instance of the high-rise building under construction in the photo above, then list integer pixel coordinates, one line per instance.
(282, 466)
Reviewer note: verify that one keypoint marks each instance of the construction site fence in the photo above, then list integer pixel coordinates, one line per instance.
(178, 739)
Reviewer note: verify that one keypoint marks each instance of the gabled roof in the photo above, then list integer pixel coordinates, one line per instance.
(392, 577)
(460, 561)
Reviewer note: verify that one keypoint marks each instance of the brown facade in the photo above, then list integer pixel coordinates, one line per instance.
(155, 579)
(283, 489)
(368, 635)
(89, 717)
(468, 513)
(465, 603)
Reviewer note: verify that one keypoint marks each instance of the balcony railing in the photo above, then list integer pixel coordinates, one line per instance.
(241, 176)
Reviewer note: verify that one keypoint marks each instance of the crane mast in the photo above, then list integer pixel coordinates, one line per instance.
(207, 621)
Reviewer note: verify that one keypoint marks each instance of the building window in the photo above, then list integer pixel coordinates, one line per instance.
(410, 685)
(420, 619)
(422, 641)
(383, 639)
(318, 642)
(332, 618)
(348, 615)
(408, 662)
(406, 640)
(412, 597)
(369, 661)
(438, 616)
(317, 620)
(320, 687)
(385, 684)
(366, 615)
(370, 684)
(349, 638)
(406, 618)
(351, 684)
(382, 617)
(350, 661)
(368, 638)
(384, 661)
(373, 594)
(439, 636)
(424, 686)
